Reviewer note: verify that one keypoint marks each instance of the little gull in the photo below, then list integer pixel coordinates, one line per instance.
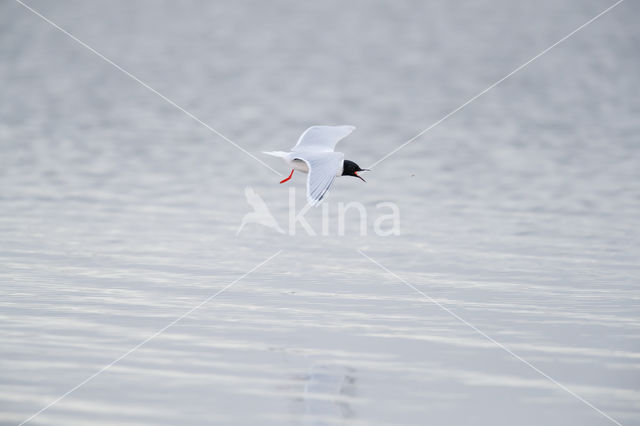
(314, 154)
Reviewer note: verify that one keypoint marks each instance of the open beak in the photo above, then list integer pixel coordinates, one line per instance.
(358, 176)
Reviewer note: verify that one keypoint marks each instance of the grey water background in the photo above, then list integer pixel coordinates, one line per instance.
(520, 213)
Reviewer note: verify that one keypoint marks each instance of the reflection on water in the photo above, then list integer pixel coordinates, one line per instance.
(327, 391)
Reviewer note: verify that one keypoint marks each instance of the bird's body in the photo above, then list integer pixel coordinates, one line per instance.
(300, 165)
(314, 154)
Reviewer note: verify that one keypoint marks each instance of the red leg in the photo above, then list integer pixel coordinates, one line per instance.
(290, 174)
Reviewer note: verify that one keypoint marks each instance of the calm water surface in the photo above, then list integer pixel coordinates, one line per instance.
(118, 214)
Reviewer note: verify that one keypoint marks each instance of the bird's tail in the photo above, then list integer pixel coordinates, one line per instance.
(280, 154)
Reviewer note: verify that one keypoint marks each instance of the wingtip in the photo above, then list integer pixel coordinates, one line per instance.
(312, 202)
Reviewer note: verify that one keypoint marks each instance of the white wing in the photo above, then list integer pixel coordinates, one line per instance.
(323, 169)
(322, 138)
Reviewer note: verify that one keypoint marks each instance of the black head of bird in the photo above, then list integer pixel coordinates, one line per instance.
(351, 169)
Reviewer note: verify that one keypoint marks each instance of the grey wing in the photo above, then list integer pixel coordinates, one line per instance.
(323, 169)
(322, 138)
